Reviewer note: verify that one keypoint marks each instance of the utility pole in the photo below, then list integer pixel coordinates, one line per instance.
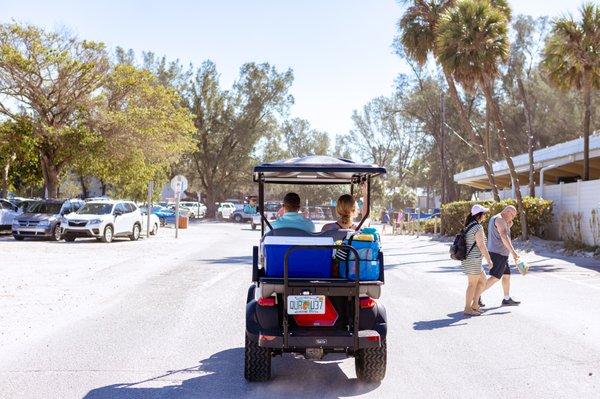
(442, 144)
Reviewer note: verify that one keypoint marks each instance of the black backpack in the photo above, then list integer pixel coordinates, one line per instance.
(458, 249)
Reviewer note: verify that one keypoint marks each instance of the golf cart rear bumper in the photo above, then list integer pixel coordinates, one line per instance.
(316, 339)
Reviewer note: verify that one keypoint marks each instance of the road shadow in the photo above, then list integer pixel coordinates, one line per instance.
(222, 376)
(229, 259)
(452, 320)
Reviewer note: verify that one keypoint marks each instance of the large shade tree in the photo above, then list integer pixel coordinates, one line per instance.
(572, 61)
(472, 41)
(52, 77)
(418, 39)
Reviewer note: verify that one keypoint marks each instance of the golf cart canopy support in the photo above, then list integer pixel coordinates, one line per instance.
(316, 169)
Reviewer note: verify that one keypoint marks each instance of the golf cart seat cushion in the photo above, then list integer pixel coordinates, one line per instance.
(302, 262)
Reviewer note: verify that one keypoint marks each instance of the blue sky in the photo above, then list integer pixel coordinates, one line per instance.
(339, 49)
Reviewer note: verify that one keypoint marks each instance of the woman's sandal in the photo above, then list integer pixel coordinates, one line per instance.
(471, 313)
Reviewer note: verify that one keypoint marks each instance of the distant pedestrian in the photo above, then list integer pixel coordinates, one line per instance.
(400, 222)
(471, 265)
(385, 220)
(500, 247)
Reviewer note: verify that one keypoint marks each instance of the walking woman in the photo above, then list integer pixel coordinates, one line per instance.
(476, 250)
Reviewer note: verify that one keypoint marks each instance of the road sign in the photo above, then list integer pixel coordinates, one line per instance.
(179, 184)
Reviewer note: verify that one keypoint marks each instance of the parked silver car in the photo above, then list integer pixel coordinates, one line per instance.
(42, 219)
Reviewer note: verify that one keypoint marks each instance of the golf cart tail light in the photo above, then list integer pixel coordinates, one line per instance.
(267, 337)
(268, 301)
(367, 303)
(373, 338)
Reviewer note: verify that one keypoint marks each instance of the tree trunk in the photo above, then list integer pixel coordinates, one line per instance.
(495, 110)
(587, 101)
(84, 190)
(475, 137)
(51, 173)
(530, 141)
(103, 187)
(5, 171)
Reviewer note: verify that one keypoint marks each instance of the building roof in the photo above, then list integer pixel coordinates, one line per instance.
(563, 160)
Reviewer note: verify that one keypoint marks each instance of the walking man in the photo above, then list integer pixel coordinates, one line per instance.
(500, 247)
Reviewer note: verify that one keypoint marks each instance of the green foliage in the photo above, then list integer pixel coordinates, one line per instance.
(538, 213)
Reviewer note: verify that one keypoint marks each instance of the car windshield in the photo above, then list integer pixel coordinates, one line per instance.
(49, 208)
(272, 207)
(95, 209)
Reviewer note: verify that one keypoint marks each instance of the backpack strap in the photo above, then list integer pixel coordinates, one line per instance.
(468, 228)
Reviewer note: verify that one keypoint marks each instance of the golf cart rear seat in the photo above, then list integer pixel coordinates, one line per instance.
(319, 262)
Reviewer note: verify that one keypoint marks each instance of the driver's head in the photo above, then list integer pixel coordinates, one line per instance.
(291, 202)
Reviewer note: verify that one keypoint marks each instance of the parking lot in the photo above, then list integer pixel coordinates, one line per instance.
(164, 318)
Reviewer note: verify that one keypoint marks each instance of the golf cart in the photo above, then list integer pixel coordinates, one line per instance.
(307, 299)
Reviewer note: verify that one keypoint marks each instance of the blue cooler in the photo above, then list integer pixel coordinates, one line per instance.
(368, 253)
(301, 263)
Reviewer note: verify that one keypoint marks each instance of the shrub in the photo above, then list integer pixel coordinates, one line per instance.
(538, 213)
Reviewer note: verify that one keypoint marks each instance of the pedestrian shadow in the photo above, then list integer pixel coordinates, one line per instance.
(452, 320)
(222, 376)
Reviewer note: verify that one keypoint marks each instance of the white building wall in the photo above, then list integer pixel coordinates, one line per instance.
(581, 198)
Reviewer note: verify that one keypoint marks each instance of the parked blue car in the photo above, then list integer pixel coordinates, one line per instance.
(165, 215)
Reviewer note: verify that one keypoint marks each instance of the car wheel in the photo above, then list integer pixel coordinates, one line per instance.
(192, 216)
(154, 229)
(162, 221)
(238, 218)
(370, 363)
(135, 232)
(257, 362)
(69, 237)
(107, 236)
(253, 226)
(18, 238)
(56, 233)
(219, 216)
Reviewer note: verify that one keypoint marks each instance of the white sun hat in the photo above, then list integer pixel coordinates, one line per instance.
(475, 209)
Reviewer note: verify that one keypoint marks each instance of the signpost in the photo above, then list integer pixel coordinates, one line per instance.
(179, 184)
(149, 207)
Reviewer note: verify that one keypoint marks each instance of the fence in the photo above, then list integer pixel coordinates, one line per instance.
(576, 214)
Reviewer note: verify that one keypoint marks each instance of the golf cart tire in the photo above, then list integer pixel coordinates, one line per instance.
(370, 363)
(69, 237)
(104, 237)
(257, 362)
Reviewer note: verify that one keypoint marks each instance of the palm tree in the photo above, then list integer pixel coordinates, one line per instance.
(572, 60)
(472, 42)
(418, 38)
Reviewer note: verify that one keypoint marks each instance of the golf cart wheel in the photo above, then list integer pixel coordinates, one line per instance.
(370, 363)
(107, 236)
(135, 232)
(154, 229)
(237, 218)
(56, 233)
(69, 238)
(18, 238)
(257, 362)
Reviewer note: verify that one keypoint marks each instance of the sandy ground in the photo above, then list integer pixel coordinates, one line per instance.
(164, 318)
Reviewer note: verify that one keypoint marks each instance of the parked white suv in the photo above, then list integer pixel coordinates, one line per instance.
(225, 210)
(103, 220)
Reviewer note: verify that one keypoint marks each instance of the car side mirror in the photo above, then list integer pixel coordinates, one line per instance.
(118, 213)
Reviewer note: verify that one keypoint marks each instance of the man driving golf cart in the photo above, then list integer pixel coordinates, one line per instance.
(306, 299)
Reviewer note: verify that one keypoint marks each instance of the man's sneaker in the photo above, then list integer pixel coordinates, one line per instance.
(481, 304)
(510, 302)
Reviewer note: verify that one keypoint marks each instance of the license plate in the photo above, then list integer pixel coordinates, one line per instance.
(306, 304)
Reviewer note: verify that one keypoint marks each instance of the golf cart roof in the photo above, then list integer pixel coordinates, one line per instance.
(315, 169)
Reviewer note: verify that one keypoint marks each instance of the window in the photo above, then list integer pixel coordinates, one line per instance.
(95, 209)
(120, 207)
(128, 207)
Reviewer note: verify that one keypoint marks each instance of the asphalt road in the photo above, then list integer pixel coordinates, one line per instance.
(164, 319)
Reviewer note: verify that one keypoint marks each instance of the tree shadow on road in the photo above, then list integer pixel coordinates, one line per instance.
(452, 320)
(229, 259)
(223, 377)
